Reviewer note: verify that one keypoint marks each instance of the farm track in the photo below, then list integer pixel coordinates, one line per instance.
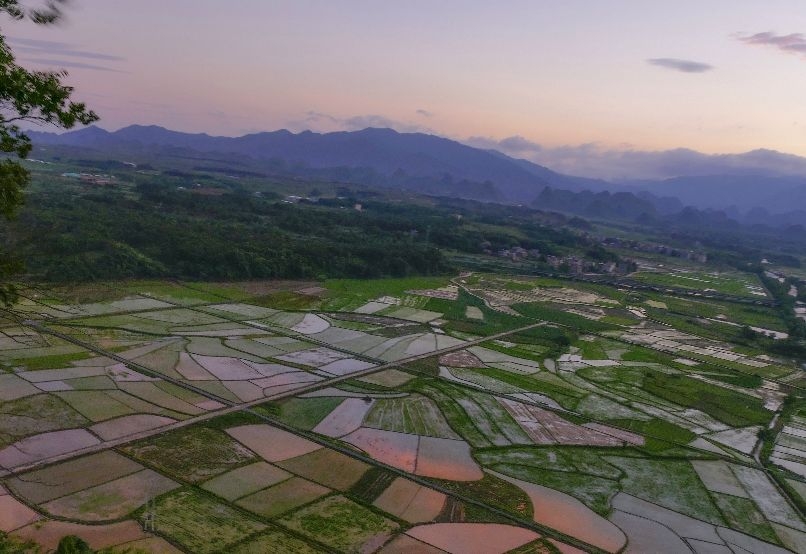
(247, 408)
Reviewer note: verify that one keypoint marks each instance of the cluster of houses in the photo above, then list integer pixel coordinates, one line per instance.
(662, 249)
(567, 264)
(516, 253)
(92, 179)
(577, 266)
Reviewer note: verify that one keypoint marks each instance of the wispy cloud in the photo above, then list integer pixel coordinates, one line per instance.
(424, 113)
(61, 54)
(55, 63)
(685, 66)
(627, 163)
(794, 43)
(320, 121)
(36, 46)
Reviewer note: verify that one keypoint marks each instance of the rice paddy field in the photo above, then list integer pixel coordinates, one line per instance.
(483, 413)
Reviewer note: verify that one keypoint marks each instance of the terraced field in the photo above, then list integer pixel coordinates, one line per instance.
(410, 416)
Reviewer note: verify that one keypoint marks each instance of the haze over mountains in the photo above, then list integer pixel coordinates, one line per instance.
(756, 187)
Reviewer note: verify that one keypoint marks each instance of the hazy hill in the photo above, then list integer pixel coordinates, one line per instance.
(435, 165)
(383, 151)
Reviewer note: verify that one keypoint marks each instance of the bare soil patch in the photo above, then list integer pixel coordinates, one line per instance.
(46, 445)
(246, 480)
(270, 443)
(346, 418)
(570, 516)
(129, 425)
(396, 449)
(327, 467)
(14, 514)
(283, 497)
(49, 533)
(411, 502)
(473, 538)
(112, 500)
(68, 477)
(446, 459)
(463, 358)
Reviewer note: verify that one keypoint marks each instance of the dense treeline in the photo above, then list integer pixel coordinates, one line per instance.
(160, 230)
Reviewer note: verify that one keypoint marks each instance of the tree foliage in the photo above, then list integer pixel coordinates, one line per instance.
(34, 97)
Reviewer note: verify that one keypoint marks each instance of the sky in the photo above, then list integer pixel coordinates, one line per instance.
(582, 84)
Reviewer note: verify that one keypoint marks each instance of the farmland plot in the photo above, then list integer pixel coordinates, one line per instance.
(463, 538)
(201, 524)
(283, 497)
(192, 453)
(568, 515)
(111, 500)
(245, 480)
(415, 414)
(327, 467)
(43, 485)
(411, 502)
(270, 443)
(342, 524)
(545, 427)
(345, 418)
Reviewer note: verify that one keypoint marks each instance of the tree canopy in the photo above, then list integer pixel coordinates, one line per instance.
(33, 97)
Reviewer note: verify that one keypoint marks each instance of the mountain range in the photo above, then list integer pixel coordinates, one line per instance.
(440, 166)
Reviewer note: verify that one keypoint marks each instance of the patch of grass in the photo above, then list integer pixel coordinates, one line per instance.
(672, 484)
(536, 344)
(568, 459)
(14, 545)
(730, 407)
(413, 414)
(275, 540)
(306, 413)
(456, 313)
(327, 467)
(339, 523)
(639, 354)
(594, 492)
(743, 314)
(287, 300)
(193, 453)
(540, 546)
(574, 321)
(742, 514)
(95, 405)
(202, 524)
(457, 417)
(480, 413)
(591, 349)
(36, 414)
(494, 492)
(348, 294)
(660, 434)
(232, 420)
(174, 292)
(56, 361)
(566, 395)
(734, 283)
(428, 366)
(739, 379)
(371, 485)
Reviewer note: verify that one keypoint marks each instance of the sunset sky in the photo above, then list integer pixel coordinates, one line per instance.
(716, 76)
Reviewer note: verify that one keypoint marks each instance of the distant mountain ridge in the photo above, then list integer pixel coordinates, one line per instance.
(435, 165)
(383, 150)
